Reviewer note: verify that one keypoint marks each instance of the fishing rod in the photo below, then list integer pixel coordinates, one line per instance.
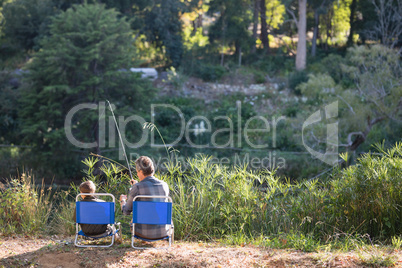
(121, 140)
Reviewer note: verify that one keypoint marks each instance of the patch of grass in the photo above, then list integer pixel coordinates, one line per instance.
(396, 242)
(375, 256)
(345, 241)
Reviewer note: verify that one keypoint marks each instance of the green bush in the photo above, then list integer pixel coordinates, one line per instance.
(209, 72)
(259, 77)
(295, 79)
(291, 110)
(276, 64)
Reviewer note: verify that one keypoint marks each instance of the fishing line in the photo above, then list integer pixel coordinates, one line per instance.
(121, 140)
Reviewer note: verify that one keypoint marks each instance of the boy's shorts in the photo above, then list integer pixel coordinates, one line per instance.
(110, 229)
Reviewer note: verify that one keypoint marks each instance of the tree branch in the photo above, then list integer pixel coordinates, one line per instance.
(350, 107)
(293, 16)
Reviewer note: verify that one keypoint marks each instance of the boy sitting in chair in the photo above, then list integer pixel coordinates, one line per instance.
(94, 230)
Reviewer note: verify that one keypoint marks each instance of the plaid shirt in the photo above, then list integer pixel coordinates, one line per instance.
(148, 186)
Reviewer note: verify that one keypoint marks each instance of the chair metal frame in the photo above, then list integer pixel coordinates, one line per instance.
(77, 227)
(170, 235)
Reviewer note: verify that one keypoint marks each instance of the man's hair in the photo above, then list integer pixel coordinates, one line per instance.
(87, 187)
(145, 164)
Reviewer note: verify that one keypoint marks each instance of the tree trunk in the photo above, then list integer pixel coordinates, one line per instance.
(315, 33)
(199, 21)
(264, 26)
(329, 25)
(223, 40)
(255, 25)
(222, 56)
(302, 34)
(239, 56)
(352, 22)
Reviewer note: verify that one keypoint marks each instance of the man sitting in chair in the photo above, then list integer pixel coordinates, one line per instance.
(93, 230)
(148, 185)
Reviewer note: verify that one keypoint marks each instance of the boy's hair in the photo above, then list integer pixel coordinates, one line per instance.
(145, 165)
(87, 187)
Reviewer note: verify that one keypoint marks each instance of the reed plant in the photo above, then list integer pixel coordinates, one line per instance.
(238, 205)
(213, 201)
(367, 197)
(24, 207)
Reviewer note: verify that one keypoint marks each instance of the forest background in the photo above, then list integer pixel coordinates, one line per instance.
(229, 62)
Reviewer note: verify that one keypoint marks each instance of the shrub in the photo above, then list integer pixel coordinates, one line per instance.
(209, 72)
(319, 87)
(176, 78)
(259, 77)
(295, 79)
(277, 64)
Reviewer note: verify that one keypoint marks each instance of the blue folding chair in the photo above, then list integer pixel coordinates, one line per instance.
(153, 213)
(95, 213)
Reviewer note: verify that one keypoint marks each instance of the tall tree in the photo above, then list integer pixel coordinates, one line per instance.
(9, 95)
(377, 74)
(319, 7)
(82, 61)
(158, 20)
(271, 15)
(256, 9)
(301, 23)
(302, 36)
(25, 21)
(264, 26)
(352, 22)
(232, 20)
(162, 26)
(375, 97)
(388, 27)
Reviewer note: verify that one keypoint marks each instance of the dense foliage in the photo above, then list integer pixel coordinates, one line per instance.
(212, 202)
(85, 60)
(58, 54)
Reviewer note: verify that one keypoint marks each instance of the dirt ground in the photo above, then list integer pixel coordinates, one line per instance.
(61, 252)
